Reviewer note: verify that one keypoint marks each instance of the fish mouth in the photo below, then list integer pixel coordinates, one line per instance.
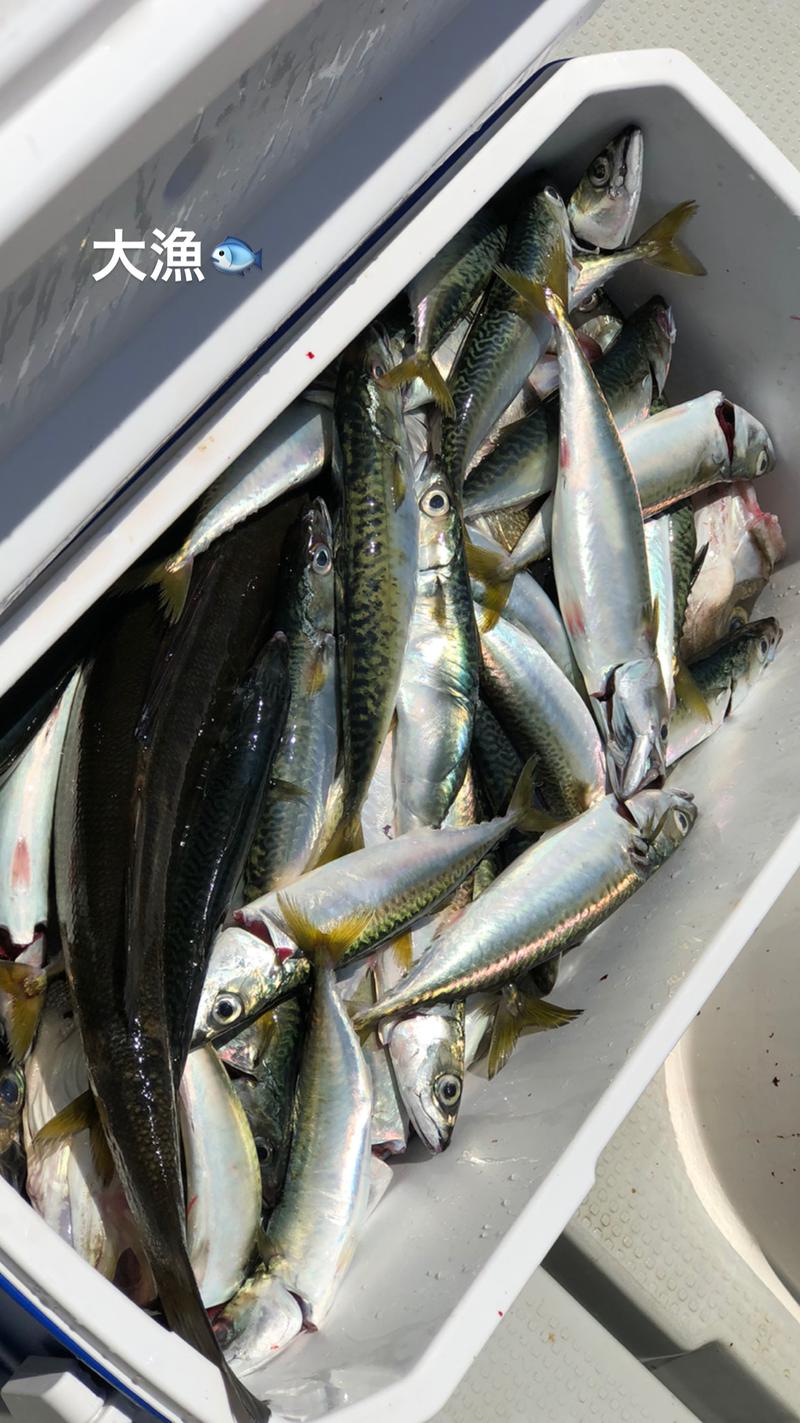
(642, 766)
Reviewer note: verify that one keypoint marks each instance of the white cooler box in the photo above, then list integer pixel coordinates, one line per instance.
(457, 1236)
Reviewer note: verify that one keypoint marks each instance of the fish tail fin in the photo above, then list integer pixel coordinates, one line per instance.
(423, 366)
(528, 1011)
(403, 950)
(257, 258)
(688, 692)
(346, 838)
(25, 987)
(494, 571)
(521, 810)
(548, 298)
(658, 244)
(186, 1315)
(322, 945)
(172, 581)
(506, 1028)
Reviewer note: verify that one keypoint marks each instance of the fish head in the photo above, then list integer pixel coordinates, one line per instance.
(439, 515)
(754, 646)
(244, 1052)
(603, 207)
(638, 726)
(223, 257)
(661, 821)
(658, 331)
(751, 449)
(245, 977)
(307, 571)
(258, 1322)
(427, 1052)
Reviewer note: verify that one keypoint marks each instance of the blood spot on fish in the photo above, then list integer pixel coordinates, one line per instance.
(563, 452)
(284, 953)
(21, 866)
(574, 620)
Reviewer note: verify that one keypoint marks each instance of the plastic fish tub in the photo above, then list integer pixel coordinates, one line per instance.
(456, 1237)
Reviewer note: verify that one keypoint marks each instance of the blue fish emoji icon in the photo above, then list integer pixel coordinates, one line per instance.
(233, 255)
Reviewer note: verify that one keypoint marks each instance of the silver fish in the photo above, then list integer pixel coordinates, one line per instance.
(545, 717)
(657, 245)
(315, 1228)
(742, 544)
(600, 565)
(223, 1182)
(724, 679)
(27, 799)
(551, 896)
(603, 207)
(528, 607)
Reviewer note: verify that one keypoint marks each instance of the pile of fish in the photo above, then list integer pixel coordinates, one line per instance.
(297, 825)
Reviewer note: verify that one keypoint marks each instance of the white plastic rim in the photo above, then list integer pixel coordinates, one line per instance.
(457, 1236)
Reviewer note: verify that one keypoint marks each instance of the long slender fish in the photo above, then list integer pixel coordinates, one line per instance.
(201, 668)
(223, 1185)
(440, 678)
(600, 561)
(523, 464)
(527, 606)
(603, 207)
(128, 1059)
(545, 717)
(503, 344)
(293, 813)
(209, 865)
(288, 454)
(26, 826)
(551, 896)
(443, 291)
(383, 890)
(314, 1230)
(376, 562)
(674, 454)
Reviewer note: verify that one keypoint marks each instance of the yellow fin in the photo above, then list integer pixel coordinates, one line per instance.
(538, 1013)
(403, 950)
(78, 1115)
(688, 692)
(658, 245)
(439, 605)
(315, 675)
(331, 943)
(494, 571)
(172, 583)
(346, 838)
(506, 1029)
(421, 366)
(547, 298)
(26, 989)
(656, 618)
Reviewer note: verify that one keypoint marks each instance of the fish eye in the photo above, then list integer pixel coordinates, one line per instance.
(552, 193)
(599, 171)
(10, 1090)
(682, 821)
(262, 1149)
(763, 647)
(227, 1008)
(321, 560)
(762, 462)
(663, 731)
(378, 371)
(435, 502)
(590, 302)
(447, 1089)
